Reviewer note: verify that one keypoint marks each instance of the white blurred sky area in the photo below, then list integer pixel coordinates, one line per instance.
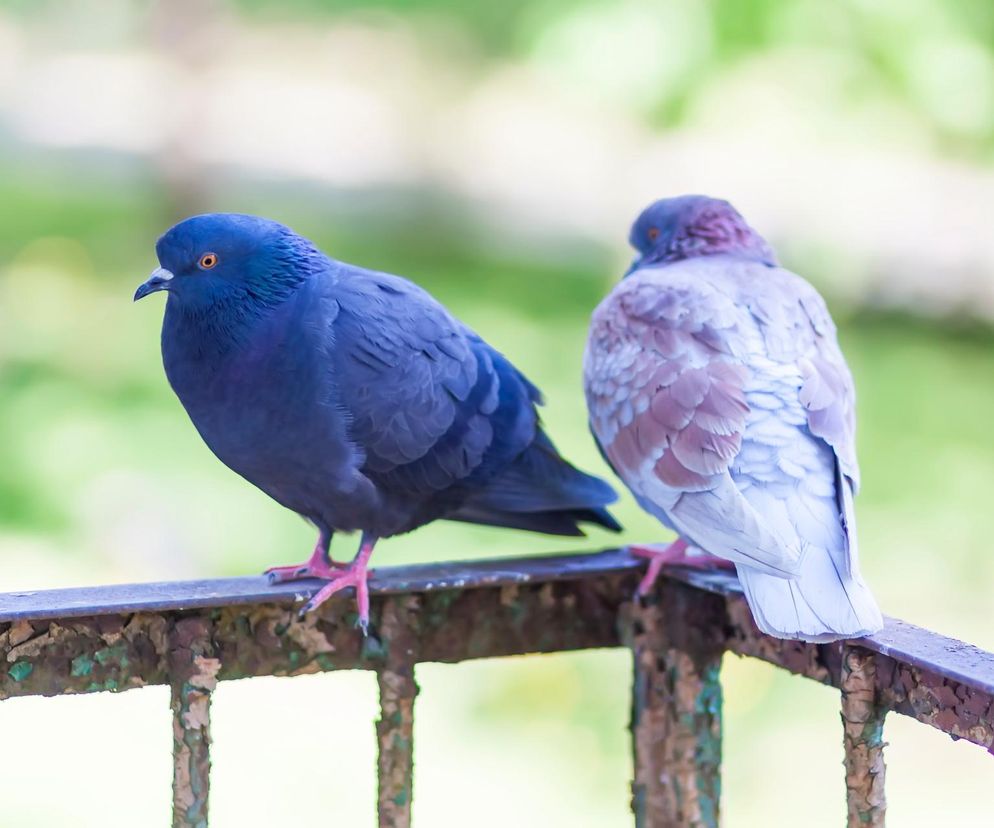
(560, 138)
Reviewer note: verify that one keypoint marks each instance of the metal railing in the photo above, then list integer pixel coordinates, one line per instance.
(190, 635)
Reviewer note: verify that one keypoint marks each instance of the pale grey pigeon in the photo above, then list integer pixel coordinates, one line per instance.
(718, 393)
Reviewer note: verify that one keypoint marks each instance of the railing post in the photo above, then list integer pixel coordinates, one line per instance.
(677, 639)
(863, 726)
(193, 675)
(395, 727)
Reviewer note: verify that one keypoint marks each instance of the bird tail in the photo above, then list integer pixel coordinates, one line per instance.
(823, 602)
(562, 522)
(541, 492)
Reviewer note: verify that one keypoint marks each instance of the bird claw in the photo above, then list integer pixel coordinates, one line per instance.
(673, 555)
(319, 565)
(275, 576)
(297, 572)
(337, 578)
(308, 606)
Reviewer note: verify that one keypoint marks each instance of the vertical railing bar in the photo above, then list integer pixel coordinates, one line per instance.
(863, 726)
(193, 676)
(677, 641)
(395, 727)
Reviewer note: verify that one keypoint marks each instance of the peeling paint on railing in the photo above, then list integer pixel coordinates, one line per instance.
(190, 635)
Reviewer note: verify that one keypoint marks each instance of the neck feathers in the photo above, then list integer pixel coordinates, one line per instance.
(717, 228)
(293, 260)
(211, 323)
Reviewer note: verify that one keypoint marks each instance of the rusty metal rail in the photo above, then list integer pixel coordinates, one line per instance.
(190, 635)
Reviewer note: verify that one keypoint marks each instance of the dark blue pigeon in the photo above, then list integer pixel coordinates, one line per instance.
(353, 397)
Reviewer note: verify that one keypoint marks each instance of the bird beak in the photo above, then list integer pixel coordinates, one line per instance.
(159, 280)
(635, 265)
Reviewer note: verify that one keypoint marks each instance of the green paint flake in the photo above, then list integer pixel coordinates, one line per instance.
(873, 731)
(401, 798)
(97, 687)
(117, 654)
(373, 649)
(705, 722)
(82, 665)
(20, 670)
(709, 808)
(709, 699)
(438, 604)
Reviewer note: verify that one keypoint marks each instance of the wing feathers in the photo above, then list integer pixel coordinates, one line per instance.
(667, 402)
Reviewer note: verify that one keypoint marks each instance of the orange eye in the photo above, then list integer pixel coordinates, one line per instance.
(653, 233)
(207, 261)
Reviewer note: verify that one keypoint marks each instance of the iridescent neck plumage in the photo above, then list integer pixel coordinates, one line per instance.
(712, 228)
(292, 260)
(211, 320)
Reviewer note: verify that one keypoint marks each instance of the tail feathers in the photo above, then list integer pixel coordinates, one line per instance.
(600, 516)
(563, 522)
(541, 480)
(542, 492)
(824, 602)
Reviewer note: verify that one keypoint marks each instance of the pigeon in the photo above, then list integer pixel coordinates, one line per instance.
(718, 393)
(353, 397)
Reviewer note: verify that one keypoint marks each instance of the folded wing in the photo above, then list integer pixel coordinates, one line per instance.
(428, 406)
(446, 424)
(798, 464)
(665, 383)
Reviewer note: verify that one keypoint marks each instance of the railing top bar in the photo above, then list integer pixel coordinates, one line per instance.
(904, 642)
(168, 596)
(947, 657)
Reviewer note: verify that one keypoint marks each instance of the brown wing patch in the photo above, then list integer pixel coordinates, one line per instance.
(677, 406)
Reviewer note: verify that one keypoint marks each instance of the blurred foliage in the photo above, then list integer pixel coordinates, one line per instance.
(932, 61)
(935, 59)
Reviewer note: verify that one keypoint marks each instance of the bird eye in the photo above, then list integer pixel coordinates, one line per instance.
(653, 233)
(207, 261)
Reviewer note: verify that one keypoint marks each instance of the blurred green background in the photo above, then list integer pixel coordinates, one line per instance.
(496, 154)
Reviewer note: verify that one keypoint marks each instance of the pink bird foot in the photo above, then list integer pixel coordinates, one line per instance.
(673, 555)
(354, 575)
(320, 565)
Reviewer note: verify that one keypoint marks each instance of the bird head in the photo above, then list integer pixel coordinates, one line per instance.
(225, 257)
(694, 225)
